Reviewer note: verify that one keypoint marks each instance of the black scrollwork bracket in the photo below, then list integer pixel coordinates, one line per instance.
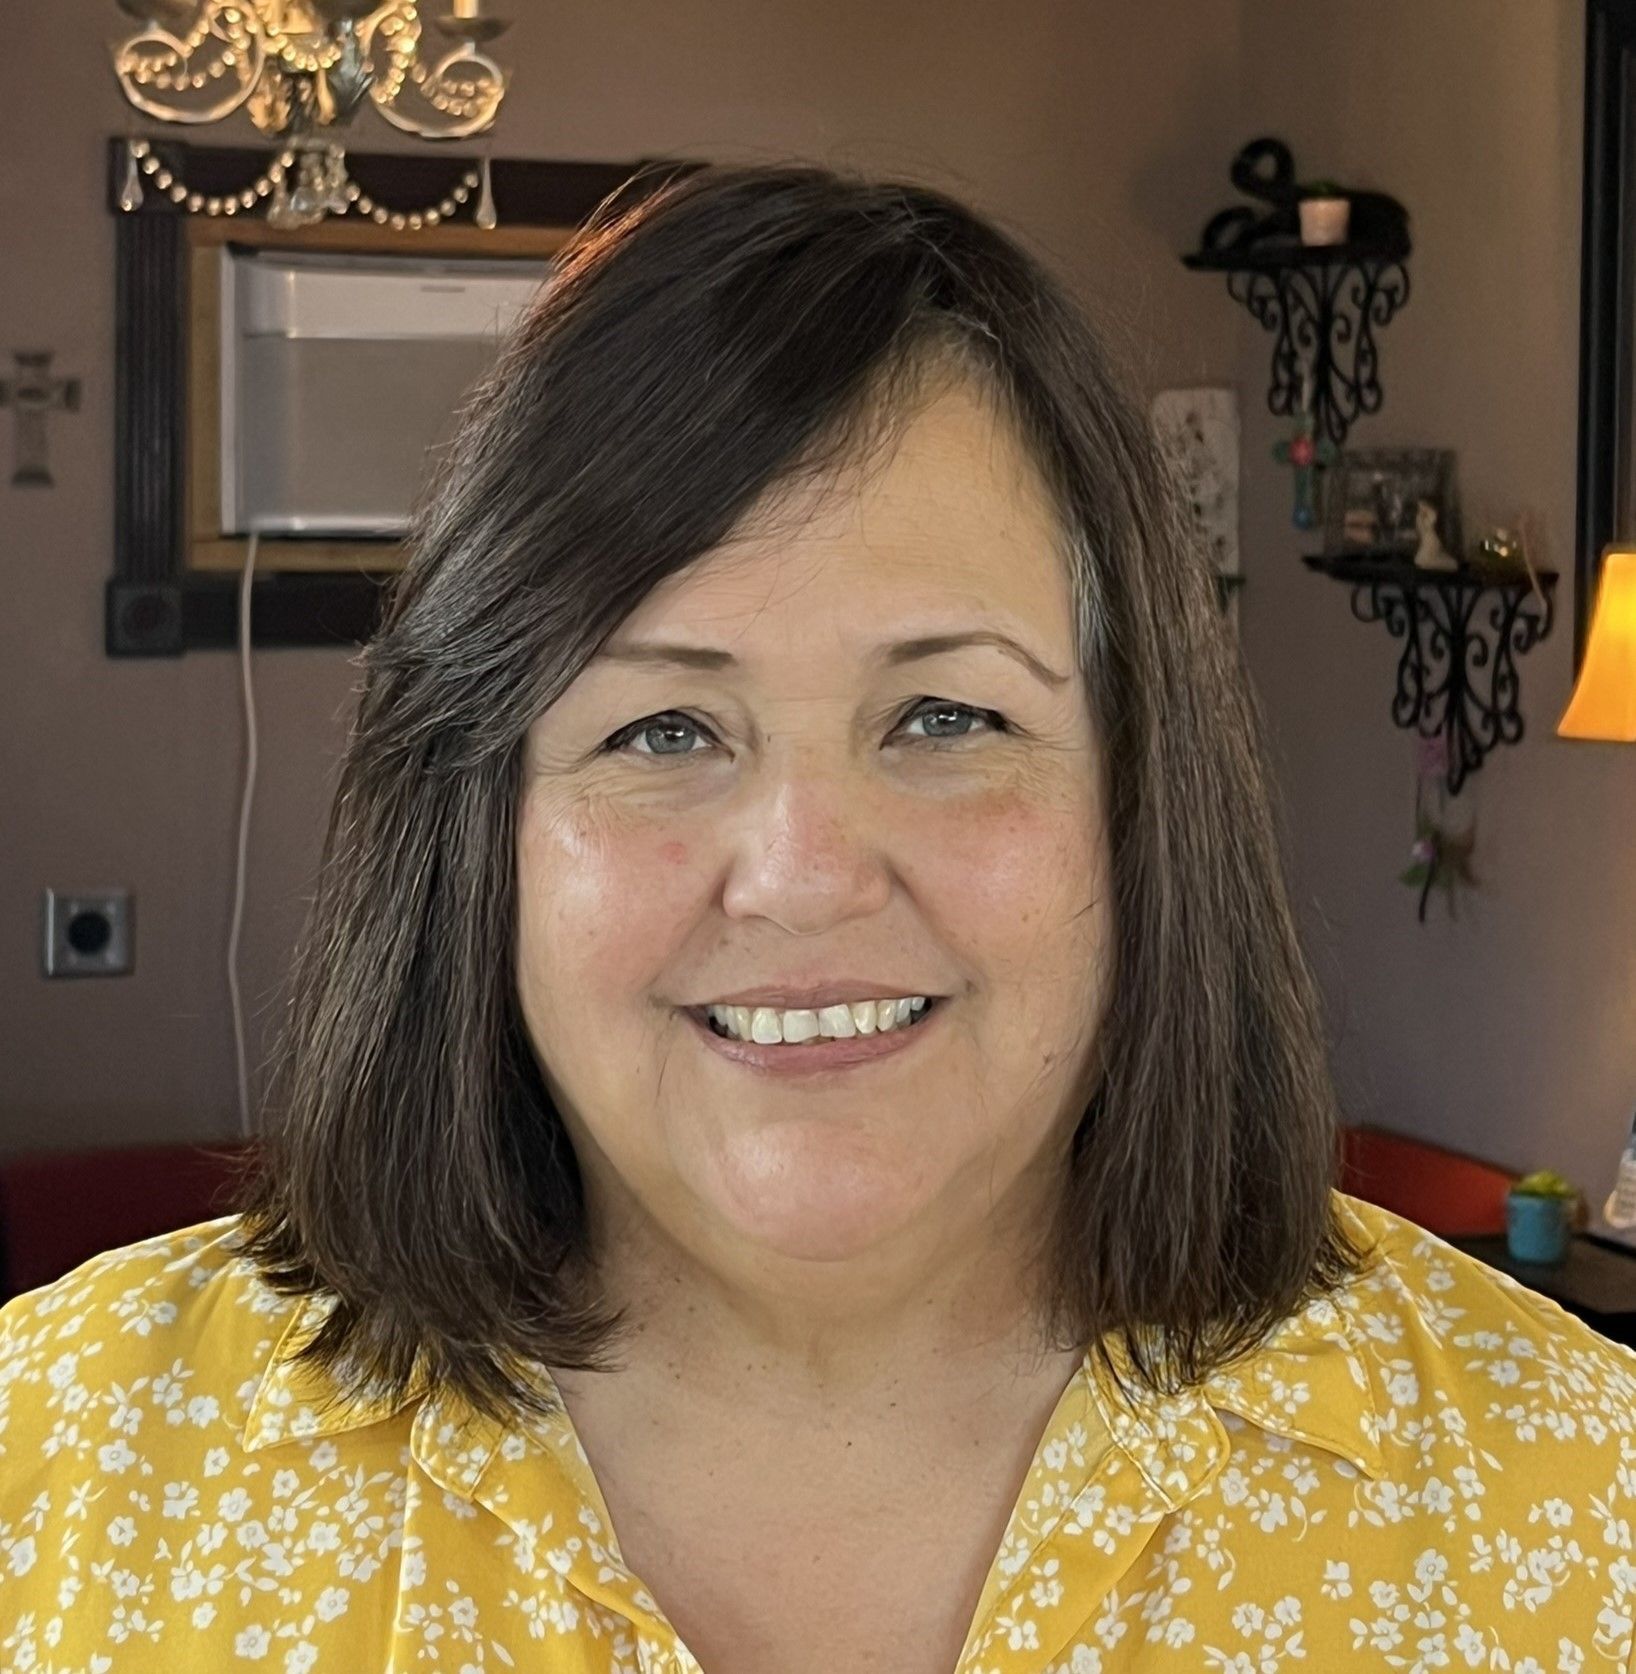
(1322, 306)
(1323, 316)
(1322, 302)
(1458, 671)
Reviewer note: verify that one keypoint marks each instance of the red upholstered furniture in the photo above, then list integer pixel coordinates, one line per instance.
(1446, 1192)
(59, 1208)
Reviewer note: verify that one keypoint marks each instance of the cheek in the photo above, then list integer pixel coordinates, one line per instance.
(1026, 893)
(602, 904)
(1018, 867)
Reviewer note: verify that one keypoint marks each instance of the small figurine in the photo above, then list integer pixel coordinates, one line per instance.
(1430, 554)
(1500, 550)
(1504, 556)
(1307, 456)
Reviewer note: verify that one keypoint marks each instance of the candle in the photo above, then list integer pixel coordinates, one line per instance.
(465, 8)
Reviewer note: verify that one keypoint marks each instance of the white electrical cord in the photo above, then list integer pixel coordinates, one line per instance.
(245, 800)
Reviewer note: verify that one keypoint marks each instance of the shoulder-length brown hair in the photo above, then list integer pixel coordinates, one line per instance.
(708, 335)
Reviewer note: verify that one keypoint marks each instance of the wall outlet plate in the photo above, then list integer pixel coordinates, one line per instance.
(88, 932)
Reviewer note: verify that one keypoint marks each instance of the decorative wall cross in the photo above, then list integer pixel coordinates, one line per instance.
(35, 393)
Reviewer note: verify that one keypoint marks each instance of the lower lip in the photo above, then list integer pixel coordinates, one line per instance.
(815, 1057)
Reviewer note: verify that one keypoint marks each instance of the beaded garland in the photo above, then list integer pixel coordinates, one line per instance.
(141, 155)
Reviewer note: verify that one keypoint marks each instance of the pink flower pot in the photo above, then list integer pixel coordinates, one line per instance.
(1325, 220)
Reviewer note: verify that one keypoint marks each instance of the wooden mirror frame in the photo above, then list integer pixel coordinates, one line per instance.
(175, 583)
(1607, 301)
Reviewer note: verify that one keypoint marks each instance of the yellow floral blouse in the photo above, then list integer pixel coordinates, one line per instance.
(1436, 1470)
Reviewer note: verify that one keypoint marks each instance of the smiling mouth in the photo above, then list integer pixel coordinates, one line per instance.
(701, 1015)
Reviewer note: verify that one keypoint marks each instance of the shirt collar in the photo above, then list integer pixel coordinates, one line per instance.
(449, 1439)
(1307, 1381)
(532, 1473)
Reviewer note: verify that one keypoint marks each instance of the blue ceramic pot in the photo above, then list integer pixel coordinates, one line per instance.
(1536, 1228)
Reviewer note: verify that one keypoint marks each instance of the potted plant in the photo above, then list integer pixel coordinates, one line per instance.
(1325, 213)
(1540, 1211)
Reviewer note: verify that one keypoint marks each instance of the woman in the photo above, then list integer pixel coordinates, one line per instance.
(805, 1141)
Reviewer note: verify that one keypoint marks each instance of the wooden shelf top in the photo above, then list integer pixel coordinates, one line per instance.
(1396, 567)
(1269, 255)
(1596, 1274)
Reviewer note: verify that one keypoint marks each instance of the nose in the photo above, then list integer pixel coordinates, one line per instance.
(810, 849)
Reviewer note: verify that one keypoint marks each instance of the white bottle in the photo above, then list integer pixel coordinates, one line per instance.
(1620, 1210)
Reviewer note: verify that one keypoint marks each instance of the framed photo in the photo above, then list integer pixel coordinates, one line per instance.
(1199, 428)
(1374, 493)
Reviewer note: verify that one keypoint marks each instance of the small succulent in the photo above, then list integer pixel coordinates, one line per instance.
(1321, 189)
(1544, 1182)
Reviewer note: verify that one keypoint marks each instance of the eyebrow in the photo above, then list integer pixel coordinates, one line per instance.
(889, 656)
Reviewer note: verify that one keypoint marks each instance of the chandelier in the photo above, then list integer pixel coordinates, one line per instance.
(302, 69)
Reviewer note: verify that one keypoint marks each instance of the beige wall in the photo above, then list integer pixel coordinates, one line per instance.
(1511, 1032)
(1101, 140)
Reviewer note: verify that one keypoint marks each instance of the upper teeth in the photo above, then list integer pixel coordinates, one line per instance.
(861, 1017)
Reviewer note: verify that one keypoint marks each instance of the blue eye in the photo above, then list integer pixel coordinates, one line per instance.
(672, 723)
(941, 708)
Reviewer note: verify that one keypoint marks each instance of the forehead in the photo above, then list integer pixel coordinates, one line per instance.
(948, 515)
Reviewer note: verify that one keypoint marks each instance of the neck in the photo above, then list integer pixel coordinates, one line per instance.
(928, 1319)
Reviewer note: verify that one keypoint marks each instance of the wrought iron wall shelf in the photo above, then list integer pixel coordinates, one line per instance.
(1322, 303)
(1457, 674)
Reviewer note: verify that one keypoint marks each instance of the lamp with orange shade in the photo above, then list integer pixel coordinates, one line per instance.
(1603, 706)
(1604, 702)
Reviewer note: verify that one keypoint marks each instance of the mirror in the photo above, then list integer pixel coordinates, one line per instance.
(1607, 317)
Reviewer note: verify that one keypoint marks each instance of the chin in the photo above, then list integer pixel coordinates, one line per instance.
(797, 1239)
(816, 1208)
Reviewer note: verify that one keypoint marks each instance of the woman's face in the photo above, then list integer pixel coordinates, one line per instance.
(802, 814)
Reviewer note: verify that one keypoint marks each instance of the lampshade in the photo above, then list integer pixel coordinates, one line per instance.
(1604, 700)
